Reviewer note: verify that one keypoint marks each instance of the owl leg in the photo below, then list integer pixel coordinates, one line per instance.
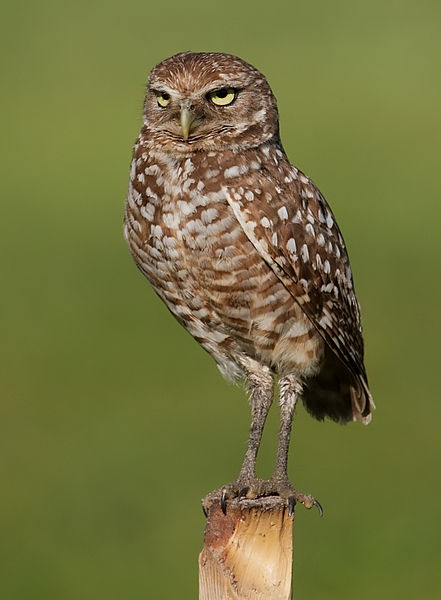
(290, 388)
(248, 484)
(262, 389)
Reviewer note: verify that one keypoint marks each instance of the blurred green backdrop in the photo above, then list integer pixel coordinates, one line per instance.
(114, 423)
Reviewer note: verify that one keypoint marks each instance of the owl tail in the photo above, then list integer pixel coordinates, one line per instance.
(362, 402)
(335, 393)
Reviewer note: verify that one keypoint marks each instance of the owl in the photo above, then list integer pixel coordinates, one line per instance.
(245, 252)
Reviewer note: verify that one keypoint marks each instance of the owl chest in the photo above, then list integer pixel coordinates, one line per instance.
(196, 239)
(198, 258)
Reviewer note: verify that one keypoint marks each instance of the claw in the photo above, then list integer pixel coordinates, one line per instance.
(223, 501)
(243, 492)
(319, 506)
(205, 511)
(291, 505)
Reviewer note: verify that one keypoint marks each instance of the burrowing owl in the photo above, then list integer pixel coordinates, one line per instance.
(245, 252)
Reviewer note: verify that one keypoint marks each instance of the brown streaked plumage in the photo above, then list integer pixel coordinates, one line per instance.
(244, 250)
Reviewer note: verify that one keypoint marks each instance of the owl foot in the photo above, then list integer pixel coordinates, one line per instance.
(250, 487)
(255, 487)
(280, 486)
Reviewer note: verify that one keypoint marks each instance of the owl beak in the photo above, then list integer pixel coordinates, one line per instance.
(187, 119)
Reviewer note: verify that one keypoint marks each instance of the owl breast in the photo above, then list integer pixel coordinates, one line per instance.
(187, 241)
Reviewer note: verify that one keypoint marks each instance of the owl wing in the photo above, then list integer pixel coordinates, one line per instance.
(294, 230)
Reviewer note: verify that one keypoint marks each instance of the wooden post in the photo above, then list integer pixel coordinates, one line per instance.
(247, 553)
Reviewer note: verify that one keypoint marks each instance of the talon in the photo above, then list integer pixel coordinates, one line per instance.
(291, 505)
(223, 501)
(243, 492)
(319, 506)
(205, 511)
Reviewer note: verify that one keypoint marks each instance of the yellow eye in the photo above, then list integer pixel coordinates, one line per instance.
(163, 98)
(222, 97)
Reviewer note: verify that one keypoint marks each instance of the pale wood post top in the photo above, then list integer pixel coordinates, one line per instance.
(247, 553)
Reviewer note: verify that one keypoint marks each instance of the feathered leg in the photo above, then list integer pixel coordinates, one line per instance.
(248, 484)
(261, 385)
(289, 389)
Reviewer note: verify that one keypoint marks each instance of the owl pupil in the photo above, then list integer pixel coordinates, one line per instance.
(222, 93)
(165, 96)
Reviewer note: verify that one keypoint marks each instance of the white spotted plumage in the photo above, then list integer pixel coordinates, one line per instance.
(240, 245)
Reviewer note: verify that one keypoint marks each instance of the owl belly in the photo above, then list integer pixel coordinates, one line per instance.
(218, 287)
(209, 275)
(260, 315)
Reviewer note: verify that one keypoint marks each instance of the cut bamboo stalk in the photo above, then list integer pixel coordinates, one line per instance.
(247, 552)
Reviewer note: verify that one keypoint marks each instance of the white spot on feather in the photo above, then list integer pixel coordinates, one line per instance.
(148, 211)
(132, 170)
(318, 260)
(195, 226)
(321, 239)
(156, 231)
(328, 288)
(310, 229)
(152, 170)
(209, 215)
(185, 207)
(231, 172)
(297, 218)
(304, 253)
(291, 245)
(329, 221)
(283, 213)
(235, 171)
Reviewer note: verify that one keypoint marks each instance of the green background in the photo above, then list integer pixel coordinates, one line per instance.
(114, 423)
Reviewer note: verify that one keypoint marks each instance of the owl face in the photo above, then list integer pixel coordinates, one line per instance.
(208, 101)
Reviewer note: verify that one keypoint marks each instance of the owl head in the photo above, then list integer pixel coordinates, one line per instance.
(208, 101)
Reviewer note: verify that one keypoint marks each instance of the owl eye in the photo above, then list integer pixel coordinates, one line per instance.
(162, 98)
(222, 97)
